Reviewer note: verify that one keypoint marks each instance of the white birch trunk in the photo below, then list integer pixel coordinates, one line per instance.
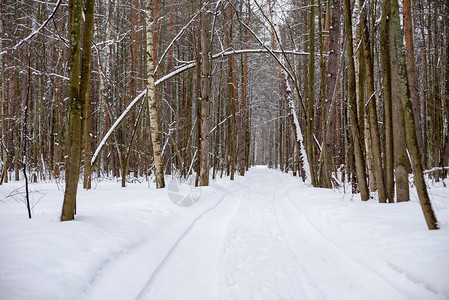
(152, 102)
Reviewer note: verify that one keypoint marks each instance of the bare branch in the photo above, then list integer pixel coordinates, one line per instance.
(34, 32)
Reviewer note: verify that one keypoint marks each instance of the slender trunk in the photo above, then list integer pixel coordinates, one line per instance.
(386, 83)
(16, 92)
(206, 86)
(446, 94)
(411, 70)
(198, 111)
(438, 116)
(3, 130)
(244, 79)
(310, 104)
(217, 127)
(372, 99)
(355, 131)
(131, 144)
(425, 83)
(85, 91)
(232, 94)
(323, 171)
(330, 82)
(152, 101)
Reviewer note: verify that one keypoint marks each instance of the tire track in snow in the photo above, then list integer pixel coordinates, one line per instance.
(361, 280)
(147, 288)
(314, 290)
(258, 264)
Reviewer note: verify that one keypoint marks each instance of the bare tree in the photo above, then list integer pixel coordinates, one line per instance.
(398, 50)
(154, 112)
(77, 74)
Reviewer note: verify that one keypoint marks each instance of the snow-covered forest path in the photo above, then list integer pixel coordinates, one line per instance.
(254, 244)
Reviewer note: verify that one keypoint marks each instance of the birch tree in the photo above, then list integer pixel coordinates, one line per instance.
(154, 113)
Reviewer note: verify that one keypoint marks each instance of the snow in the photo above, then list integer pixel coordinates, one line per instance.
(116, 123)
(263, 236)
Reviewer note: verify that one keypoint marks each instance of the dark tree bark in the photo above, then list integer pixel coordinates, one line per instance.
(399, 52)
(85, 91)
(74, 137)
(411, 70)
(331, 80)
(387, 95)
(310, 101)
(206, 86)
(355, 131)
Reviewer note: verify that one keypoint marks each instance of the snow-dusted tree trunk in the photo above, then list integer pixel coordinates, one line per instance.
(293, 118)
(292, 114)
(154, 114)
(206, 86)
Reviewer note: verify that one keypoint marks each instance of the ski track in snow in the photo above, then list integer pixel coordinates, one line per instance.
(262, 236)
(252, 244)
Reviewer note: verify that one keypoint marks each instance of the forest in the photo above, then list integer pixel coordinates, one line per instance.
(333, 91)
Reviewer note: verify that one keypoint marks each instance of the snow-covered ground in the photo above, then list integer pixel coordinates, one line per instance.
(263, 236)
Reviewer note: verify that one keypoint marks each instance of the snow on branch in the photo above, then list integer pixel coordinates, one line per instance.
(175, 39)
(117, 123)
(185, 67)
(249, 51)
(191, 64)
(297, 127)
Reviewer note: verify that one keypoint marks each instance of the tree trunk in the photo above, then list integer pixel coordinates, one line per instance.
(411, 70)
(242, 133)
(152, 102)
(331, 80)
(386, 83)
(74, 141)
(375, 134)
(412, 143)
(206, 86)
(310, 103)
(399, 139)
(85, 91)
(446, 94)
(3, 131)
(355, 131)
